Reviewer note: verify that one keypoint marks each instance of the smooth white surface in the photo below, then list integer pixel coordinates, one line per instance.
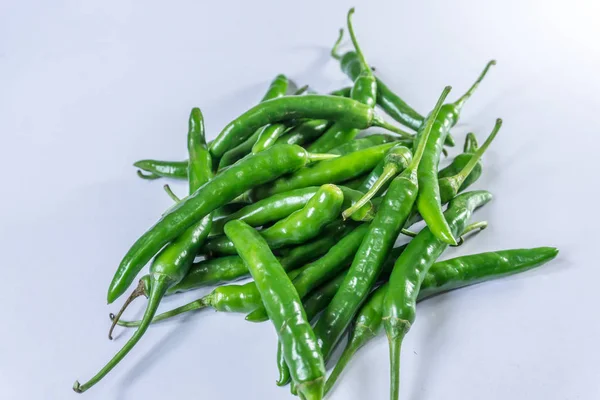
(86, 88)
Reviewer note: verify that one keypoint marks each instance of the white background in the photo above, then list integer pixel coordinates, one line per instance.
(86, 88)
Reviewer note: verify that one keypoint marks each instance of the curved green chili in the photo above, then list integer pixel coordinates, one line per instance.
(429, 201)
(373, 251)
(155, 169)
(313, 106)
(174, 261)
(450, 186)
(281, 205)
(461, 160)
(347, 167)
(322, 269)
(409, 272)
(284, 308)
(324, 207)
(442, 277)
(260, 168)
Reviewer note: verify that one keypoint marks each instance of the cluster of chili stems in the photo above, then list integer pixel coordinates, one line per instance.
(292, 194)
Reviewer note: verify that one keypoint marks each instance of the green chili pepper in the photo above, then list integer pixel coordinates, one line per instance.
(364, 90)
(324, 207)
(174, 261)
(396, 160)
(362, 143)
(442, 277)
(166, 169)
(284, 308)
(409, 272)
(323, 269)
(461, 160)
(429, 201)
(450, 186)
(347, 167)
(260, 168)
(277, 88)
(311, 106)
(305, 132)
(281, 205)
(373, 251)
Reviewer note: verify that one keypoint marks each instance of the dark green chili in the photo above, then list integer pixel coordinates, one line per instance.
(374, 249)
(429, 201)
(324, 207)
(305, 132)
(284, 308)
(322, 269)
(396, 160)
(277, 88)
(442, 277)
(260, 168)
(347, 167)
(174, 261)
(409, 272)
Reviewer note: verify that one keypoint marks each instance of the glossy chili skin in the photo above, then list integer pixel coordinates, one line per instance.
(460, 161)
(261, 168)
(442, 277)
(158, 168)
(240, 151)
(363, 90)
(277, 88)
(312, 106)
(323, 208)
(429, 200)
(362, 143)
(304, 133)
(323, 269)
(393, 211)
(284, 308)
(281, 205)
(329, 171)
(410, 270)
(268, 137)
(393, 105)
(174, 261)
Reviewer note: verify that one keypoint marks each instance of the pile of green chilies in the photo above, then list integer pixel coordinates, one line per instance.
(290, 194)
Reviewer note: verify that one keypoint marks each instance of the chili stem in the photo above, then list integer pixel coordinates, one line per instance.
(334, 49)
(389, 172)
(361, 57)
(156, 294)
(140, 290)
(149, 176)
(193, 306)
(461, 102)
(172, 195)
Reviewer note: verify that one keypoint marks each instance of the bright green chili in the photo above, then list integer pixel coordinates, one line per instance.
(373, 251)
(364, 90)
(281, 205)
(284, 308)
(450, 186)
(410, 270)
(442, 277)
(174, 261)
(324, 207)
(347, 167)
(429, 201)
(362, 143)
(322, 269)
(260, 168)
(161, 169)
